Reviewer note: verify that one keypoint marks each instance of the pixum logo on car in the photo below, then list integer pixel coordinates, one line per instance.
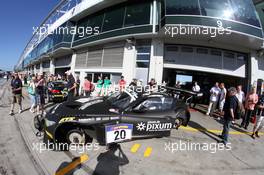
(154, 126)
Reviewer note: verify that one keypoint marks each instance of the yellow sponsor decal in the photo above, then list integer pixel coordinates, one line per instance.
(66, 119)
(49, 134)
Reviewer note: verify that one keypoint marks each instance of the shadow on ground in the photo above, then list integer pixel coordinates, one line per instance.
(110, 161)
(203, 130)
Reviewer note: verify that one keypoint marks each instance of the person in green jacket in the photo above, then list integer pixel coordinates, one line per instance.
(106, 85)
(99, 86)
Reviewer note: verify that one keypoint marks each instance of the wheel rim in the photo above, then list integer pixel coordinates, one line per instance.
(76, 138)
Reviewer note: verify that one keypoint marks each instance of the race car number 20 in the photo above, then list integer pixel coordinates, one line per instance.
(118, 133)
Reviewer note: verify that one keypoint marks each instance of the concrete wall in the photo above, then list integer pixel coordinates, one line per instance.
(256, 67)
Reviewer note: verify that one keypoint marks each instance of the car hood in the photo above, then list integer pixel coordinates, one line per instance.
(85, 107)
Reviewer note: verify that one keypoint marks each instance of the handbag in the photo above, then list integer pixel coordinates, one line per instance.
(253, 119)
(31, 91)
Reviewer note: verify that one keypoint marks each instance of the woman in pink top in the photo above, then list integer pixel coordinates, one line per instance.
(250, 102)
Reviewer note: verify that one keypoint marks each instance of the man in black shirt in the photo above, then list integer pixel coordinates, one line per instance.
(16, 86)
(230, 108)
(71, 85)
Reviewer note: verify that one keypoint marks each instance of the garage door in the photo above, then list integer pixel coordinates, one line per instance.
(205, 60)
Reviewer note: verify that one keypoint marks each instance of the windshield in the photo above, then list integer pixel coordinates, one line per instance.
(121, 99)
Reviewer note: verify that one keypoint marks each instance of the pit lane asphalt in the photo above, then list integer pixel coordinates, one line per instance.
(152, 156)
(15, 157)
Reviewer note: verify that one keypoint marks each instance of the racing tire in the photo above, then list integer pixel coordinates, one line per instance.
(76, 136)
(39, 122)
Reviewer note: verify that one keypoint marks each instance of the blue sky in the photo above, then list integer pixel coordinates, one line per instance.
(17, 20)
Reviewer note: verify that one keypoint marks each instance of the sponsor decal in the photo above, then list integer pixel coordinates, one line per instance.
(114, 118)
(67, 119)
(86, 120)
(154, 126)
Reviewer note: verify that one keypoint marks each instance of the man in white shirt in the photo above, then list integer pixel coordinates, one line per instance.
(240, 94)
(215, 91)
(195, 88)
(222, 97)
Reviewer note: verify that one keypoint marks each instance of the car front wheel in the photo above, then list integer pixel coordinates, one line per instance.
(179, 119)
(76, 136)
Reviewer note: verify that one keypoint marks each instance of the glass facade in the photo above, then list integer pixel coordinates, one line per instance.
(260, 10)
(62, 35)
(113, 19)
(190, 7)
(214, 9)
(117, 17)
(137, 14)
(238, 10)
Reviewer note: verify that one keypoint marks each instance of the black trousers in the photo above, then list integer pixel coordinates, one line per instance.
(246, 118)
(70, 96)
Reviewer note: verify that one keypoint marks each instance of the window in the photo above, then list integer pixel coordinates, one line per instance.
(38, 66)
(96, 21)
(96, 75)
(245, 12)
(190, 7)
(89, 76)
(216, 8)
(46, 64)
(166, 103)
(137, 14)
(113, 19)
(229, 61)
(187, 49)
(151, 104)
(216, 52)
(229, 55)
(241, 59)
(172, 48)
(202, 51)
(81, 25)
(143, 56)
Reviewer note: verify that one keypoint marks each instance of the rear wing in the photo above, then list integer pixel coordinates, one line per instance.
(183, 94)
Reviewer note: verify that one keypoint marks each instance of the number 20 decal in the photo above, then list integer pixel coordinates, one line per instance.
(120, 134)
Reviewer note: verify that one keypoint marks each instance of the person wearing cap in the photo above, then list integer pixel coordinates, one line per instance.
(71, 85)
(16, 85)
(229, 109)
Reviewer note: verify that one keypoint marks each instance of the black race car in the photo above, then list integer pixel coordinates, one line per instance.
(57, 91)
(117, 118)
